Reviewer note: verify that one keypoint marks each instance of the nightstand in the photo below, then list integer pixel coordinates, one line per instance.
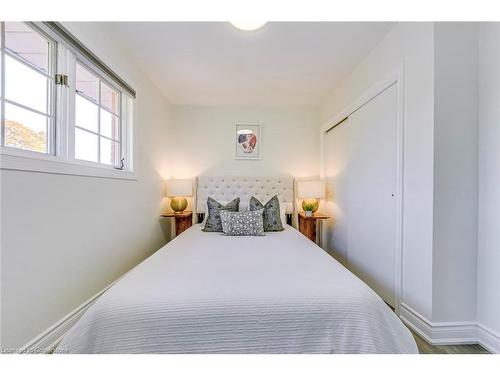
(307, 224)
(182, 221)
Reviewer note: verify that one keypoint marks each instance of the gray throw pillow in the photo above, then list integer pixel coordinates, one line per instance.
(213, 223)
(248, 223)
(272, 217)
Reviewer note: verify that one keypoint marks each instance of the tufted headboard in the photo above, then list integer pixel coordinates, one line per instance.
(226, 188)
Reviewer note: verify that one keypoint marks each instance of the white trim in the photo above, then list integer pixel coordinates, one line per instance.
(399, 187)
(21, 160)
(442, 333)
(395, 78)
(488, 339)
(450, 333)
(29, 109)
(128, 132)
(48, 340)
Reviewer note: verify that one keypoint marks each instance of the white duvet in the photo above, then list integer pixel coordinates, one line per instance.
(208, 293)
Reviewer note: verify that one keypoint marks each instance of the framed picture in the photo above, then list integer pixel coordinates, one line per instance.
(248, 141)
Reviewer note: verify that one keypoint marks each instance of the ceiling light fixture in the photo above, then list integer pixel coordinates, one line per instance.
(248, 25)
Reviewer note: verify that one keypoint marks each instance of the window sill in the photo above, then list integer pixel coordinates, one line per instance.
(17, 160)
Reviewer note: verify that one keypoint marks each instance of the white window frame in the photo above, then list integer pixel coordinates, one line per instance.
(122, 123)
(61, 160)
(51, 97)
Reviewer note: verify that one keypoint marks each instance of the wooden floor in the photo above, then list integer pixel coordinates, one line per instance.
(425, 348)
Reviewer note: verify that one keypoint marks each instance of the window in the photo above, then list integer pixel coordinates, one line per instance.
(60, 103)
(97, 119)
(27, 92)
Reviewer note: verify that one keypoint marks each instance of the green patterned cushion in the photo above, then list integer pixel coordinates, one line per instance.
(272, 219)
(213, 223)
(248, 223)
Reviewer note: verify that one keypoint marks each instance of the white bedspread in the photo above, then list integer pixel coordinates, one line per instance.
(207, 293)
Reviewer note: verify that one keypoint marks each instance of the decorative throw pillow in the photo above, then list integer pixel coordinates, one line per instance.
(244, 206)
(248, 223)
(205, 215)
(272, 219)
(214, 208)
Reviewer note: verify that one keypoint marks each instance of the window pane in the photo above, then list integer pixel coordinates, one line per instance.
(87, 83)
(28, 44)
(25, 129)
(85, 145)
(109, 125)
(25, 86)
(109, 98)
(109, 151)
(86, 114)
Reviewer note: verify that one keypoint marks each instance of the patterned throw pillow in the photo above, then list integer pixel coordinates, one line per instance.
(248, 223)
(213, 223)
(272, 219)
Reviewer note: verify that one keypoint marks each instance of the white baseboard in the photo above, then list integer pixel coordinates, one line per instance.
(488, 339)
(439, 333)
(450, 333)
(48, 340)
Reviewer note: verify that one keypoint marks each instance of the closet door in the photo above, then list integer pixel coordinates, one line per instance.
(337, 156)
(364, 193)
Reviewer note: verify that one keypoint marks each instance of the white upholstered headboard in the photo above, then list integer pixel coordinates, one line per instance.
(226, 188)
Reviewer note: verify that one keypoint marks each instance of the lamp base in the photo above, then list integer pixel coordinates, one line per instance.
(178, 204)
(310, 205)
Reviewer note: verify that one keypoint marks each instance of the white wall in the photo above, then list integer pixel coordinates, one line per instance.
(203, 141)
(64, 238)
(488, 280)
(413, 44)
(455, 171)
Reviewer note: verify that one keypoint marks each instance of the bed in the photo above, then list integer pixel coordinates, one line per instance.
(209, 293)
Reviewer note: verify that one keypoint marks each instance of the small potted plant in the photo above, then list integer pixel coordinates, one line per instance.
(308, 208)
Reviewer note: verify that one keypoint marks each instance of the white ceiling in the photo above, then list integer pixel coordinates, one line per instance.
(281, 64)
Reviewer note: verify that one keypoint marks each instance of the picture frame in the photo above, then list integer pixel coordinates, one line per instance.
(248, 141)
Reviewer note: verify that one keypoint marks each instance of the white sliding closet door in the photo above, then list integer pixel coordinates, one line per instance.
(337, 155)
(361, 168)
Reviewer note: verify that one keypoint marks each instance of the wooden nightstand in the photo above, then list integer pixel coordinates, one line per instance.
(307, 225)
(182, 221)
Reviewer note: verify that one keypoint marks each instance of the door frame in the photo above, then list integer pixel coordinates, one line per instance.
(394, 78)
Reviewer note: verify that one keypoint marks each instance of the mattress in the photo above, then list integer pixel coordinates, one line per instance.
(209, 293)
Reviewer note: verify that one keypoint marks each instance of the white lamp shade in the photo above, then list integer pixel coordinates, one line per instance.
(311, 189)
(179, 188)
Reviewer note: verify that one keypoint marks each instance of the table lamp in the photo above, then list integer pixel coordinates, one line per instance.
(310, 191)
(178, 190)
